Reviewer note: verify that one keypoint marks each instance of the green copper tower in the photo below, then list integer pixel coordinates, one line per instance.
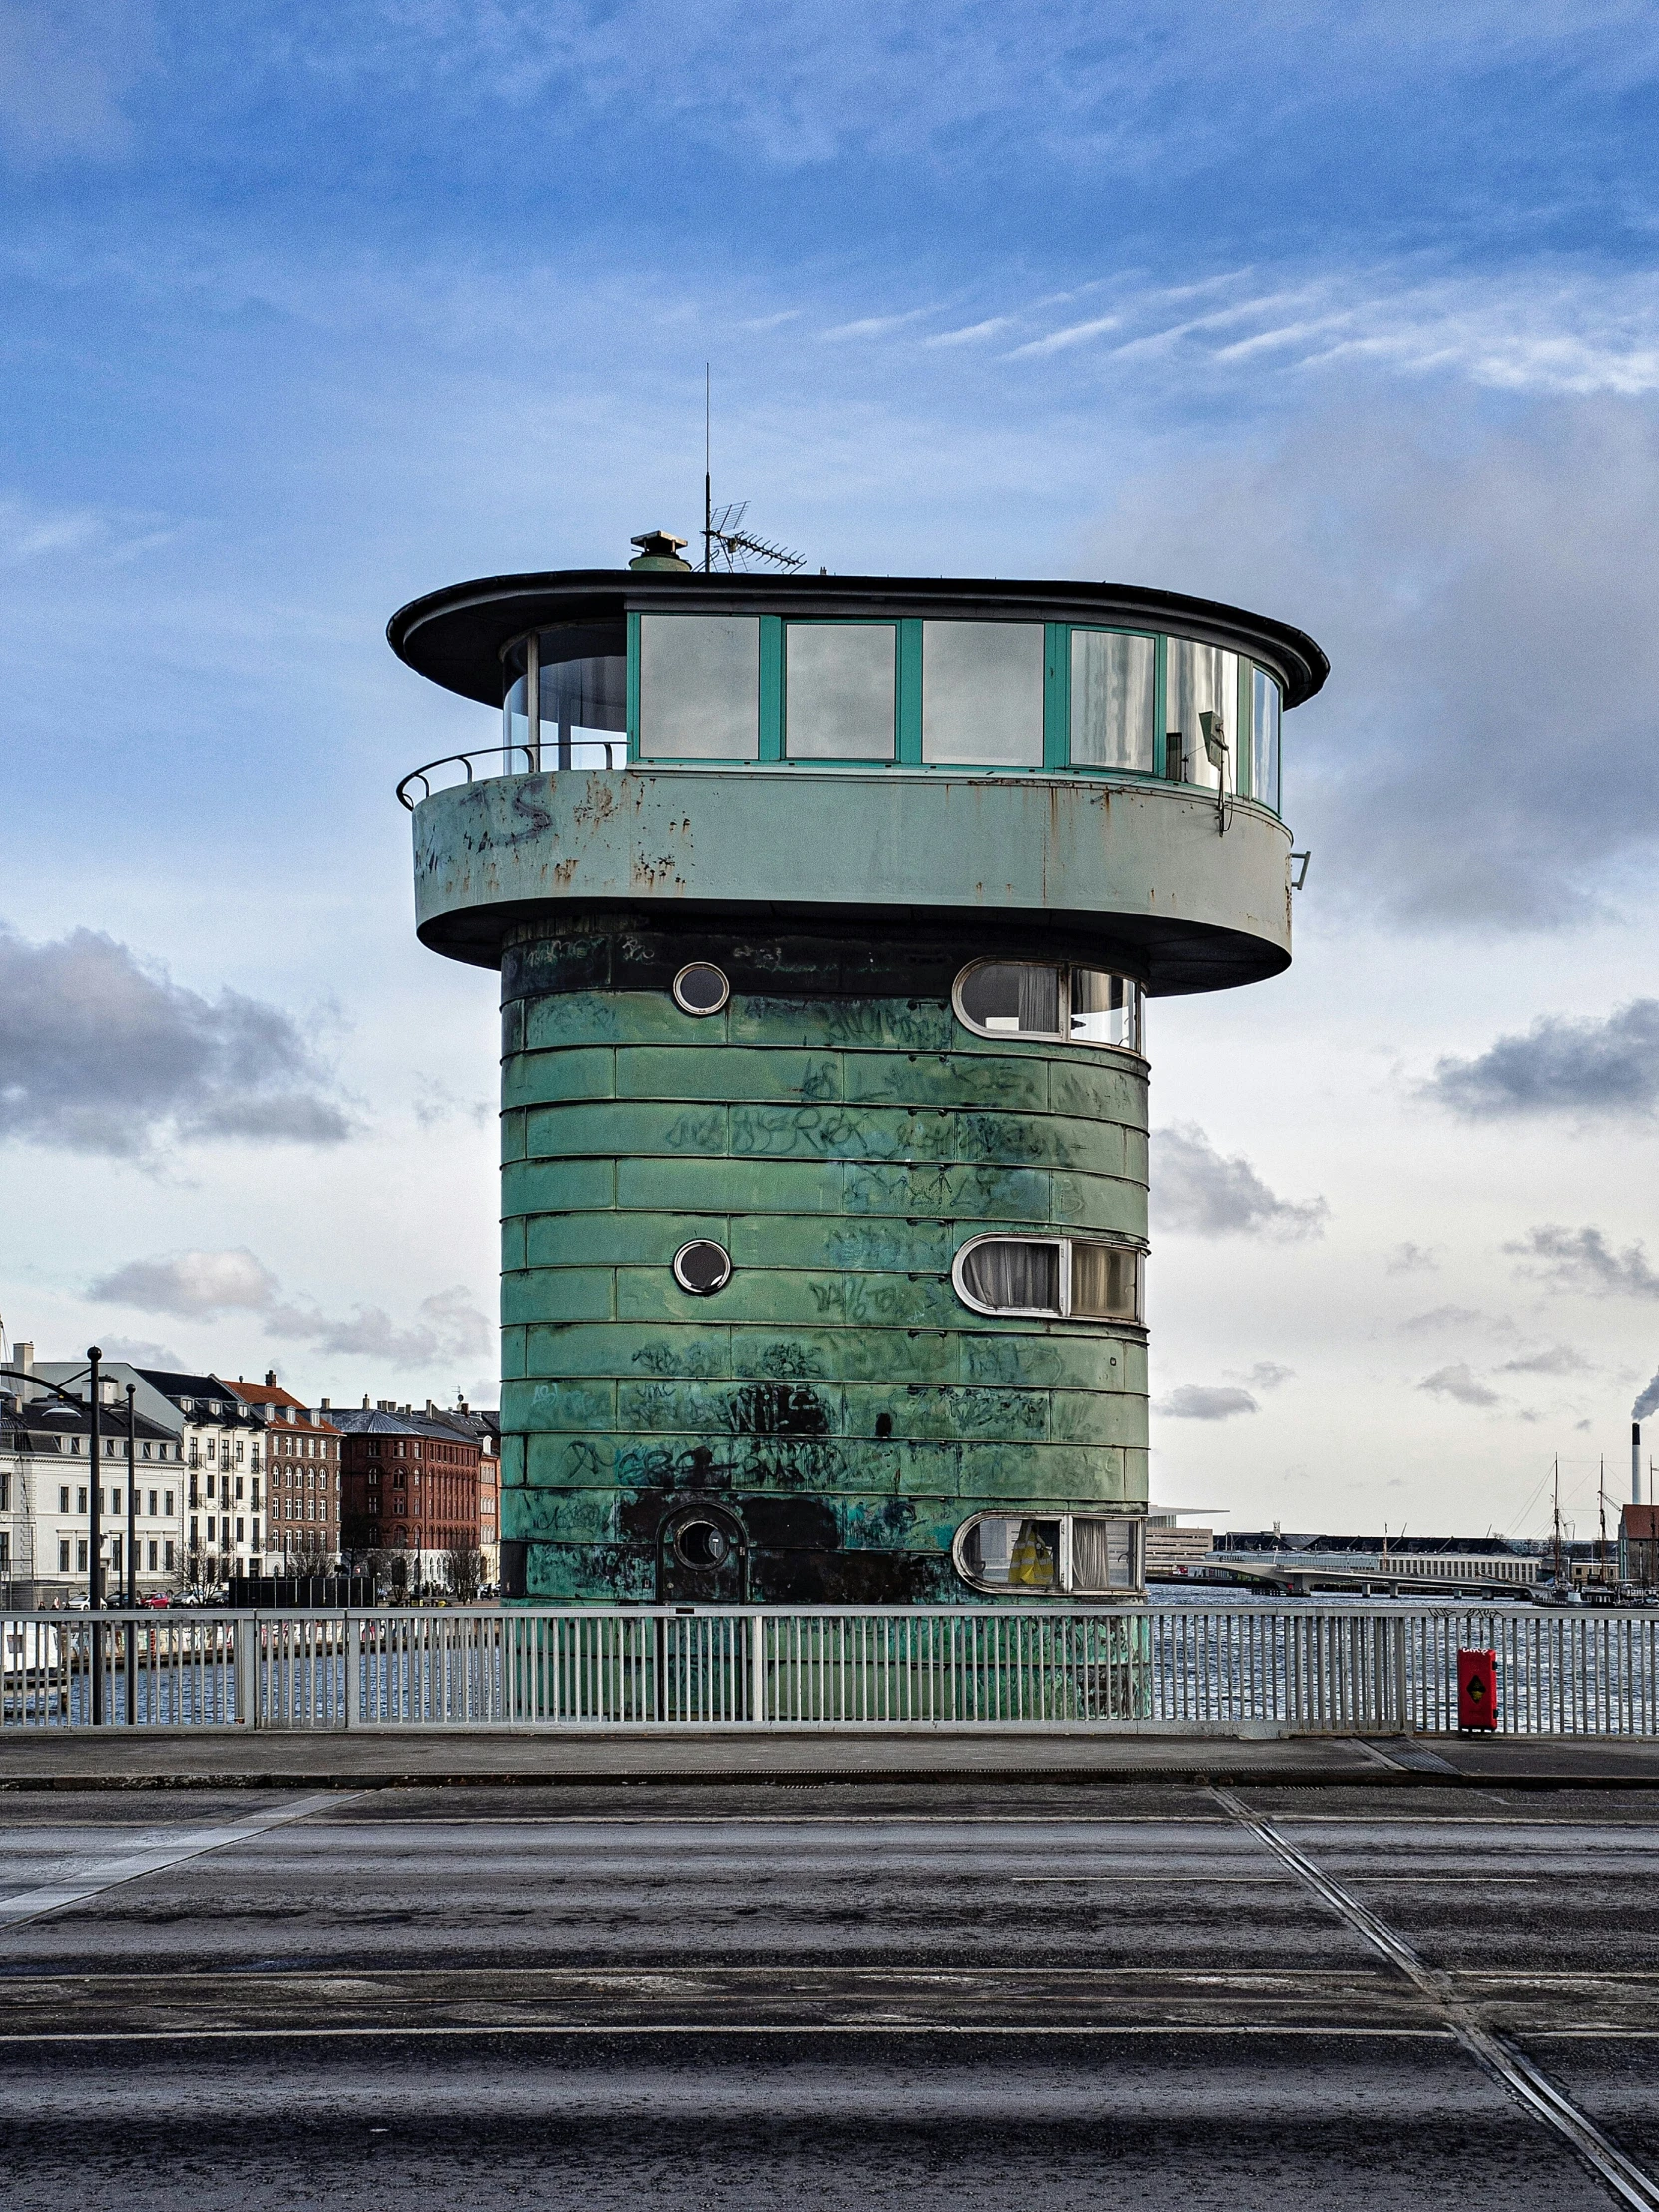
(828, 911)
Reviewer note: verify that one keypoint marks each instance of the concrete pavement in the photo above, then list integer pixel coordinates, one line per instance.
(408, 1757)
(963, 1989)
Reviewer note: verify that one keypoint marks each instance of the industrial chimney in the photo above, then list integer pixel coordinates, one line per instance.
(1635, 1462)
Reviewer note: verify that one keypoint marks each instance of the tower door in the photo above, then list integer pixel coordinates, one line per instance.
(702, 1557)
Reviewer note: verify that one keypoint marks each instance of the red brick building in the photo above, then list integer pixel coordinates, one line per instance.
(301, 1475)
(410, 1483)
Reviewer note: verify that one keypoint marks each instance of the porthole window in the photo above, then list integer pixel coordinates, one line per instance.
(1061, 1278)
(1058, 1002)
(702, 1543)
(1058, 1555)
(699, 989)
(701, 1267)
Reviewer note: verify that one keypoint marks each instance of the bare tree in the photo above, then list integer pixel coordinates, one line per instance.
(305, 1553)
(465, 1572)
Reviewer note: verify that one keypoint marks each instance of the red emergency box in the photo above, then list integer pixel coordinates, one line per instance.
(1477, 1689)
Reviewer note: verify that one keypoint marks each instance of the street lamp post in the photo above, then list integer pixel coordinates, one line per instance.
(95, 1536)
(94, 1515)
(132, 1512)
(132, 1568)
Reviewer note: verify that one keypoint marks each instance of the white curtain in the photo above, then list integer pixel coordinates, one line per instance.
(1102, 1555)
(1009, 1272)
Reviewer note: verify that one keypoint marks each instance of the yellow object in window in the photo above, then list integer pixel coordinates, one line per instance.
(1032, 1562)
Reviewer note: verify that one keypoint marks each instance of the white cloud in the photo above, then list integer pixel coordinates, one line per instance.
(1582, 1259)
(1203, 1402)
(100, 1052)
(207, 1286)
(201, 1284)
(1196, 1190)
(1460, 1384)
(1585, 1067)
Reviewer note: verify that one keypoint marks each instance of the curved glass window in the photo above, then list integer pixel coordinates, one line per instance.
(1201, 711)
(1064, 1004)
(841, 690)
(583, 706)
(1061, 1555)
(1060, 1278)
(1114, 700)
(982, 693)
(1264, 738)
(700, 687)
(584, 711)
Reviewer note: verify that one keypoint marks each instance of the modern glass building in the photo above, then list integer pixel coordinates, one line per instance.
(828, 911)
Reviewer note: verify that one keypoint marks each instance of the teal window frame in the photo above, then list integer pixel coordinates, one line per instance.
(1244, 725)
(912, 757)
(896, 623)
(1057, 734)
(909, 680)
(690, 760)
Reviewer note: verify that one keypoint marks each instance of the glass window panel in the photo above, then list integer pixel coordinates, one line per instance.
(700, 687)
(1114, 705)
(982, 693)
(1011, 1273)
(1264, 738)
(840, 684)
(515, 718)
(1104, 1282)
(1102, 1555)
(1016, 997)
(1200, 692)
(1105, 1009)
(584, 709)
(1034, 1562)
(1014, 1554)
(989, 1548)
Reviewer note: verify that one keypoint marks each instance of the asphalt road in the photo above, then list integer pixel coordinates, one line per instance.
(956, 1995)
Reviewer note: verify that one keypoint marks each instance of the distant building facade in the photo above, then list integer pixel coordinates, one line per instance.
(1639, 1544)
(411, 1486)
(302, 1478)
(47, 1475)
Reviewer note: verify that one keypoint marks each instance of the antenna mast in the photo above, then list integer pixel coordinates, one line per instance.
(708, 516)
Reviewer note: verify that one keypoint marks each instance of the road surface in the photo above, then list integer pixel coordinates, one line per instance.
(1019, 1994)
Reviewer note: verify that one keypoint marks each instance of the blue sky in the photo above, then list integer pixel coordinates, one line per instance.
(1349, 315)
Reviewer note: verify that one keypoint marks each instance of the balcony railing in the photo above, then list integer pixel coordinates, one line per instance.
(527, 759)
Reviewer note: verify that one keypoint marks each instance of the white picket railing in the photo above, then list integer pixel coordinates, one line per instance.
(1293, 1668)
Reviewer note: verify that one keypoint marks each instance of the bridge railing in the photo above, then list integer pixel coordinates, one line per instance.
(1161, 1668)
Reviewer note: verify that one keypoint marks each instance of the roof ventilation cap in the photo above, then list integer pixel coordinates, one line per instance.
(660, 549)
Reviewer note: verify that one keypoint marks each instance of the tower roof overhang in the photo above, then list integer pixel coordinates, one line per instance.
(457, 636)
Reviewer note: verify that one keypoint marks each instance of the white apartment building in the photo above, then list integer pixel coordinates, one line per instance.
(47, 1477)
(220, 1504)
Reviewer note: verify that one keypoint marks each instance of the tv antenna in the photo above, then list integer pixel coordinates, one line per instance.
(726, 543)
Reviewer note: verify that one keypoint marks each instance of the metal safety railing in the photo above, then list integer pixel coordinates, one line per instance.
(519, 759)
(1296, 1668)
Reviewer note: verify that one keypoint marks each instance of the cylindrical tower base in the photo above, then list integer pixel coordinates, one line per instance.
(835, 1411)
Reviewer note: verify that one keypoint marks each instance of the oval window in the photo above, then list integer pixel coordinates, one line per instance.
(699, 989)
(1070, 1278)
(1059, 1002)
(701, 1267)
